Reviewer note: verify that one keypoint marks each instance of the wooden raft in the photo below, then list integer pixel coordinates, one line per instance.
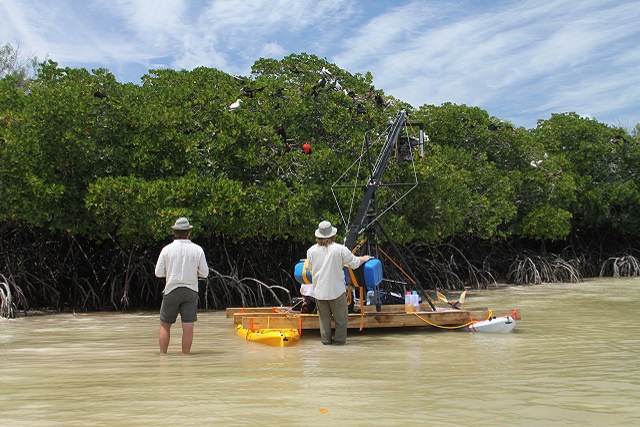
(391, 316)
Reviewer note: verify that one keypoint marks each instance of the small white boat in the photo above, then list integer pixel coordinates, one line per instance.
(494, 325)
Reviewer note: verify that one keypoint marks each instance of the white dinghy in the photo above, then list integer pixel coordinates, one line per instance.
(494, 325)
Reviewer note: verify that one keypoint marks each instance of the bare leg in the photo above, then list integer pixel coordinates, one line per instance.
(164, 336)
(187, 337)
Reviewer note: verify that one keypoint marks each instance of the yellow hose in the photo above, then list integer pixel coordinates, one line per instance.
(451, 327)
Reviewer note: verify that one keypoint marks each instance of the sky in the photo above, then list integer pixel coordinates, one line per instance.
(520, 61)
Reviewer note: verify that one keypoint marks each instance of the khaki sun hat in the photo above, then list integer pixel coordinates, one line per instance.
(325, 230)
(182, 224)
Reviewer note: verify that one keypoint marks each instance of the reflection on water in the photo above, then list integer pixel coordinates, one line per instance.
(572, 360)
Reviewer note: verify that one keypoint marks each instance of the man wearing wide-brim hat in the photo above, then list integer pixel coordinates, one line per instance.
(181, 262)
(326, 260)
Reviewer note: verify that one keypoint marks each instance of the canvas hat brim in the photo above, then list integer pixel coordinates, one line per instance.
(182, 224)
(325, 230)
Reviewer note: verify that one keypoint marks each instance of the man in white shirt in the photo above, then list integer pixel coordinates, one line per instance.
(326, 259)
(181, 262)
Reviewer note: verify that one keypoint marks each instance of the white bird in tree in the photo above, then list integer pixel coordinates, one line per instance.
(535, 163)
(325, 72)
(235, 104)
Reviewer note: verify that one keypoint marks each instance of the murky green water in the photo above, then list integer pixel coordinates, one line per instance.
(573, 360)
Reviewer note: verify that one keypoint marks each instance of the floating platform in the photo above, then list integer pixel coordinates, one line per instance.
(390, 316)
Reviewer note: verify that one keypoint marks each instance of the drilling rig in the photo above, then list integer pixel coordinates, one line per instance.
(364, 228)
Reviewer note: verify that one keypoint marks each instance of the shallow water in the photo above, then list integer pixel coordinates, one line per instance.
(572, 360)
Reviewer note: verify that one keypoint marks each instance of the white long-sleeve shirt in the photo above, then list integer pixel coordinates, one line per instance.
(182, 263)
(326, 264)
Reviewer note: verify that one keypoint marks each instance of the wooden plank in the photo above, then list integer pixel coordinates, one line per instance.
(394, 308)
(399, 308)
(374, 320)
(231, 311)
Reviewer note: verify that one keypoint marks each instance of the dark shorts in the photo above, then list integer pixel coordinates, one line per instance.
(180, 300)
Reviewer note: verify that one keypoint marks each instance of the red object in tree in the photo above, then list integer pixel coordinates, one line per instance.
(306, 148)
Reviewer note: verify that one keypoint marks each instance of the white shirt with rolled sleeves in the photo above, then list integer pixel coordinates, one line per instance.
(181, 263)
(326, 264)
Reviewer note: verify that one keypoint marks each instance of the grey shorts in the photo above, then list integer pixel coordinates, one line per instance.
(180, 300)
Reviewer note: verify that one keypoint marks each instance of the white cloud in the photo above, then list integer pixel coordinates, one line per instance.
(519, 61)
(151, 20)
(272, 50)
(486, 58)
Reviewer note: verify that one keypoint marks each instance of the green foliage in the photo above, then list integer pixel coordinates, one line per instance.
(603, 162)
(49, 147)
(138, 211)
(83, 153)
(459, 194)
(545, 221)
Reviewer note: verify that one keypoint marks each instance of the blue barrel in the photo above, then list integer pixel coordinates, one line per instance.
(372, 273)
(301, 273)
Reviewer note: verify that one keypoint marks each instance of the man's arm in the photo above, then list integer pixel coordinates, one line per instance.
(203, 268)
(161, 267)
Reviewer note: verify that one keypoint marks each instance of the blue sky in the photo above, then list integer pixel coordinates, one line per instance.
(518, 60)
